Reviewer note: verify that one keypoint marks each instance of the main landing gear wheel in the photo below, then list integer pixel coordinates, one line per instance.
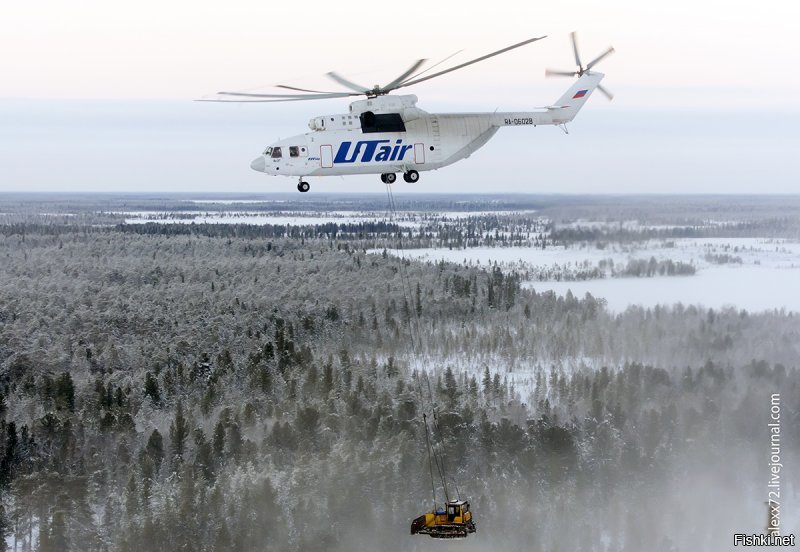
(303, 186)
(388, 178)
(411, 176)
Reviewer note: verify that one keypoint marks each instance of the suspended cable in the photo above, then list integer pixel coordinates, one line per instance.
(434, 456)
(441, 440)
(392, 217)
(430, 464)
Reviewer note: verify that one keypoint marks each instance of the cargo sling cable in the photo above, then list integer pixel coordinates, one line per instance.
(455, 520)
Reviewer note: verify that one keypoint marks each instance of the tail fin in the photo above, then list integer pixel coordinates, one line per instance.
(568, 105)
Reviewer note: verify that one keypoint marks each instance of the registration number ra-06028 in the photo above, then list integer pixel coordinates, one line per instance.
(522, 121)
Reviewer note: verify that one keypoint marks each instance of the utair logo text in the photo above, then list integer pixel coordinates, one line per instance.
(365, 151)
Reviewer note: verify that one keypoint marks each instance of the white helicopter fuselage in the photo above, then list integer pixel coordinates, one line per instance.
(389, 134)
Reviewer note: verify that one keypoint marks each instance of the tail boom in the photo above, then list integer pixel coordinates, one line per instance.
(563, 111)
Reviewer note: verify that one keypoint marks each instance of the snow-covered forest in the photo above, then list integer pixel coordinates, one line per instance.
(209, 387)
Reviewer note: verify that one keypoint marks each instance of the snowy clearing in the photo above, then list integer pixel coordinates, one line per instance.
(766, 278)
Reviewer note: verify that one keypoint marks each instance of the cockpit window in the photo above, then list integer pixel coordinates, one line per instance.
(268, 151)
(276, 153)
(294, 151)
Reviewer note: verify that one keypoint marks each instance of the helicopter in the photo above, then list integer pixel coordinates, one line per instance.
(388, 134)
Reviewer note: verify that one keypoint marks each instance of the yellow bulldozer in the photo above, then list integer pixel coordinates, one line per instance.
(451, 522)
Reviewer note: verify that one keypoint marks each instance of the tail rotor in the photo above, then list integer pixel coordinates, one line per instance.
(581, 69)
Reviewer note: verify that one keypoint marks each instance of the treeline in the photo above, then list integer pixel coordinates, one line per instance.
(605, 268)
(602, 235)
(653, 267)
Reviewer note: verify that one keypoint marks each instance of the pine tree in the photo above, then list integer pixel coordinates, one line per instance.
(496, 385)
(235, 442)
(219, 441)
(487, 383)
(10, 456)
(222, 540)
(45, 543)
(151, 388)
(451, 391)
(65, 392)
(155, 448)
(204, 460)
(178, 432)
(5, 523)
(131, 497)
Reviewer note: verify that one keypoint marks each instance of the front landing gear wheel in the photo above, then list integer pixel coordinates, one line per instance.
(411, 176)
(303, 186)
(388, 178)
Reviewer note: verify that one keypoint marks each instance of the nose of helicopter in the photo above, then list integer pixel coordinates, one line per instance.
(258, 164)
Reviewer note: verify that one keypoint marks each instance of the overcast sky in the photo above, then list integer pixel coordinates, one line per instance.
(96, 95)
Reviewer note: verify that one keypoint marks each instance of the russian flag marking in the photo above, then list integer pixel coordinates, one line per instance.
(579, 94)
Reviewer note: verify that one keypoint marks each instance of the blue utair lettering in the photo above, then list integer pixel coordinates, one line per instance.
(364, 151)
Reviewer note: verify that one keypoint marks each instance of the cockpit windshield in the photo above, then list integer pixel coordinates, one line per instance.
(268, 152)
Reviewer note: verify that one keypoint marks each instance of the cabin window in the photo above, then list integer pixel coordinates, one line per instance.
(303, 151)
(383, 122)
(294, 151)
(276, 153)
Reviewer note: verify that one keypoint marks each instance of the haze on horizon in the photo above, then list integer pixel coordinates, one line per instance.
(96, 98)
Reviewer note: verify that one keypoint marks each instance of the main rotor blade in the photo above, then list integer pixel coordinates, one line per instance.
(298, 98)
(605, 91)
(435, 65)
(392, 85)
(574, 36)
(290, 96)
(487, 56)
(554, 73)
(599, 58)
(348, 84)
(304, 89)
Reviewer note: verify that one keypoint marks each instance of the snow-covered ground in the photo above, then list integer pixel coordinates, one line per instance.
(635, 225)
(514, 258)
(451, 215)
(768, 276)
(259, 219)
(753, 288)
(775, 253)
(235, 201)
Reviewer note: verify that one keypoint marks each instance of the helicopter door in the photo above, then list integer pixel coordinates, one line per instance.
(419, 154)
(326, 156)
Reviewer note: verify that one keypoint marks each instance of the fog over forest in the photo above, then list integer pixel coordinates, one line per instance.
(171, 385)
